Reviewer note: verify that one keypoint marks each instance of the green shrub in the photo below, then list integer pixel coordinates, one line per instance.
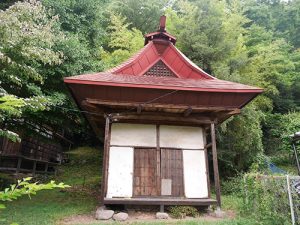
(265, 198)
(232, 185)
(183, 211)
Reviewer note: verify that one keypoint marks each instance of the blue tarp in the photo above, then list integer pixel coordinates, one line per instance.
(275, 169)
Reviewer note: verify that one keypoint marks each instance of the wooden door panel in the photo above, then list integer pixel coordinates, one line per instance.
(145, 172)
(172, 168)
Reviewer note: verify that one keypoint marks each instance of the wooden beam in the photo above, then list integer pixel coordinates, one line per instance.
(157, 105)
(161, 118)
(234, 112)
(208, 145)
(160, 201)
(105, 160)
(188, 112)
(215, 164)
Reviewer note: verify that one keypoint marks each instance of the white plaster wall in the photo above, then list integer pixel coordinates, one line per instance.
(133, 134)
(181, 137)
(195, 176)
(120, 172)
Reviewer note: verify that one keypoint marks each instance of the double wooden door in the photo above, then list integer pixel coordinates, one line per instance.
(158, 172)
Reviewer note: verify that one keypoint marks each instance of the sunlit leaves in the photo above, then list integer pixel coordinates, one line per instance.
(123, 41)
(27, 36)
(26, 187)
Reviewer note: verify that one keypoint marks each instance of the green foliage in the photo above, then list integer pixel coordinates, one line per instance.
(181, 212)
(199, 31)
(143, 15)
(240, 141)
(265, 198)
(24, 187)
(27, 35)
(232, 186)
(278, 130)
(122, 40)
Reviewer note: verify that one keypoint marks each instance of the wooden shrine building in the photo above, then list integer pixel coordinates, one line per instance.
(158, 108)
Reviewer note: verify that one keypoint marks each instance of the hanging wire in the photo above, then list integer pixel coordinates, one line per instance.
(142, 104)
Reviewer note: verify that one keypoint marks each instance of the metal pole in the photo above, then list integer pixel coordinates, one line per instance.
(290, 199)
(296, 155)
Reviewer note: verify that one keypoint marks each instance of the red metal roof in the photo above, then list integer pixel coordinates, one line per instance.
(207, 85)
(165, 51)
(157, 68)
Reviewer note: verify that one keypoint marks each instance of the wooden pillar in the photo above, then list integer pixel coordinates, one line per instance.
(19, 164)
(46, 167)
(105, 160)
(34, 167)
(158, 163)
(206, 162)
(215, 164)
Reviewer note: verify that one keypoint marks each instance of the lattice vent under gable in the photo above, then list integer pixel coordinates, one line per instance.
(160, 69)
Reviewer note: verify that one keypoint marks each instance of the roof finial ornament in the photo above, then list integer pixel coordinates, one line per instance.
(161, 34)
(162, 23)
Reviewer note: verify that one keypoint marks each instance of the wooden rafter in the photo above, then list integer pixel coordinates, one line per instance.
(188, 111)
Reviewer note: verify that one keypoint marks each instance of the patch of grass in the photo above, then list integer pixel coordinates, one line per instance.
(231, 202)
(84, 167)
(291, 169)
(48, 207)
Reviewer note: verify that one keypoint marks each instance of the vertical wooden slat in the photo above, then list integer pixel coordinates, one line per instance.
(105, 160)
(215, 164)
(145, 180)
(158, 160)
(172, 168)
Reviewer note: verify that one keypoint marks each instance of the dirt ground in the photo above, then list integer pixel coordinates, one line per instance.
(138, 216)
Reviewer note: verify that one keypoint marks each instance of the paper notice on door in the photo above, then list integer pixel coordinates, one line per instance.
(166, 186)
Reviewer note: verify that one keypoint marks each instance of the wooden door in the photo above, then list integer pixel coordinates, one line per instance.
(145, 173)
(172, 169)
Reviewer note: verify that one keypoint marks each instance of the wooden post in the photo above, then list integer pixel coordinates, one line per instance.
(34, 167)
(206, 162)
(19, 164)
(158, 163)
(105, 161)
(215, 164)
(46, 167)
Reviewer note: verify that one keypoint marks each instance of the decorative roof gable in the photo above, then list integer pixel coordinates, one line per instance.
(160, 70)
(160, 47)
